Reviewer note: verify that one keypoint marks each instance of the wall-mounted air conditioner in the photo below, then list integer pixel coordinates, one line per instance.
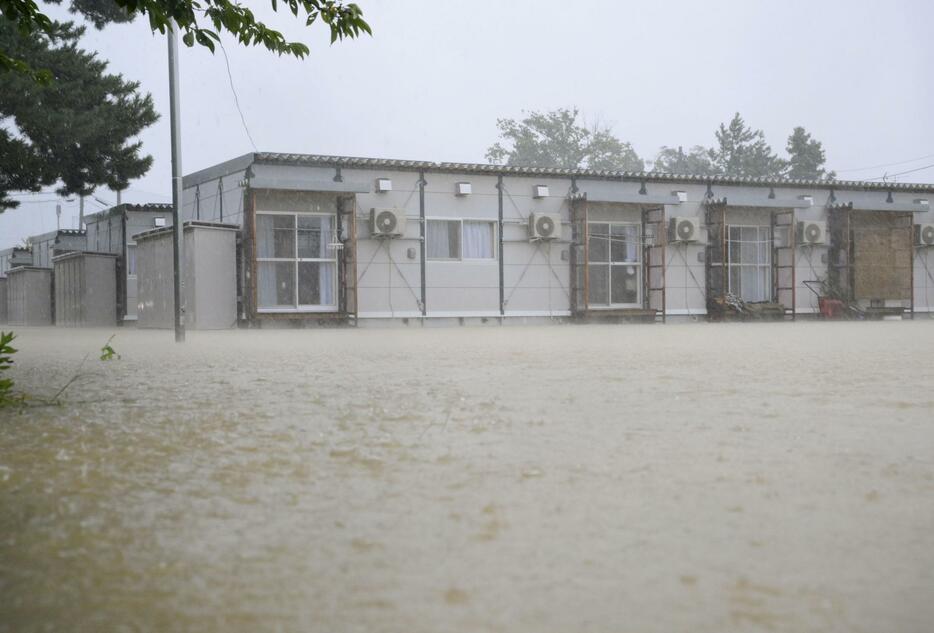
(387, 222)
(812, 233)
(684, 230)
(925, 233)
(544, 226)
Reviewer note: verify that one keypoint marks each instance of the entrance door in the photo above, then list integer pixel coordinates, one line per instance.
(615, 264)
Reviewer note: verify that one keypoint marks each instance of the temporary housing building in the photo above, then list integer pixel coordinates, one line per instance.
(10, 258)
(359, 239)
(47, 245)
(112, 231)
(29, 296)
(85, 289)
(209, 280)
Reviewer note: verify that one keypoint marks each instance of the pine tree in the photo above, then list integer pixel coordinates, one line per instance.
(743, 152)
(78, 130)
(806, 157)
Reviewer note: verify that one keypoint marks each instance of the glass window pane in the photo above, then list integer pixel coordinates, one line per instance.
(478, 240)
(748, 253)
(765, 233)
(131, 259)
(315, 232)
(275, 236)
(750, 233)
(624, 246)
(599, 244)
(734, 252)
(625, 284)
(736, 283)
(444, 239)
(276, 284)
(764, 248)
(735, 233)
(599, 284)
(750, 283)
(316, 283)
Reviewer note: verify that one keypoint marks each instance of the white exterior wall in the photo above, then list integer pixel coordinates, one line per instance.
(536, 275)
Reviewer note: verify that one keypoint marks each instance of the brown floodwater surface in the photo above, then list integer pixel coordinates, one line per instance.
(697, 477)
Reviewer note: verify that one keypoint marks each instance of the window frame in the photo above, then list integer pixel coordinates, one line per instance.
(295, 261)
(609, 263)
(461, 259)
(739, 265)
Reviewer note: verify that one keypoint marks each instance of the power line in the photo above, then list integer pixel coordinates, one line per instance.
(236, 100)
(901, 173)
(902, 162)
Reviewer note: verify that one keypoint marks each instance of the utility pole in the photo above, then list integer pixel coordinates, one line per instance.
(58, 217)
(81, 213)
(176, 182)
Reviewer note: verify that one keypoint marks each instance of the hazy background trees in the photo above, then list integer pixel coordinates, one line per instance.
(561, 139)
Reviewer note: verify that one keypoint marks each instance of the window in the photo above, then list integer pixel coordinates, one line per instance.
(614, 264)
(296, 267)
(750, 262)
(457, 240)
(131, 260)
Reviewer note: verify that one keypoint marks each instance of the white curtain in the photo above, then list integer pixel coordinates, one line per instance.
(443, 238)
(478, 240)
(326, 283)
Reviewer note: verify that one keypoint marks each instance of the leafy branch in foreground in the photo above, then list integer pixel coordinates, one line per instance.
(6, 359)
(344, 20)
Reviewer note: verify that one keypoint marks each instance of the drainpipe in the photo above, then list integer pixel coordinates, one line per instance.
(422, 228)
(220, 195)
(502, 288)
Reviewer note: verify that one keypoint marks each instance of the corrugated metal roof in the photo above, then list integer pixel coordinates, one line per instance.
(651, 176)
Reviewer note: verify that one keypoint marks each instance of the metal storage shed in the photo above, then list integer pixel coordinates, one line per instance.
(210, 276)
(29, 296)
(85, 289)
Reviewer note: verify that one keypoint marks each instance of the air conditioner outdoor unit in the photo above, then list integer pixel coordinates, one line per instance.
(544, 226)
(925, 234)
(387, 222)
(812, 233)
(684, 230)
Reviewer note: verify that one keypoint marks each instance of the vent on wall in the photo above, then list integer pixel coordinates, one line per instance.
(463, 189)
(383, 185)
(540, 191)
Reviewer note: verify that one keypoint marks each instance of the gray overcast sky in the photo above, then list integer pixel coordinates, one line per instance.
(435, 76)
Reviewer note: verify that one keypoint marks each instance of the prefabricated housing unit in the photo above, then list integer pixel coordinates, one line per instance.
(10, 258)
(29, 296)
(112, 231)
(328, 238)
(209, 278)
(45, 246)
(85, 289)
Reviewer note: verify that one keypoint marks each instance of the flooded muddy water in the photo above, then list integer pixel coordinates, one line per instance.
(753, 477)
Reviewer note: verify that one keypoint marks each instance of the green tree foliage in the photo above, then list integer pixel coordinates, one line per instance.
(191, 16)
(695, 162)
(6, 359)
(742, 151)
(558, 139)
(77, 130)
(806, 157)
